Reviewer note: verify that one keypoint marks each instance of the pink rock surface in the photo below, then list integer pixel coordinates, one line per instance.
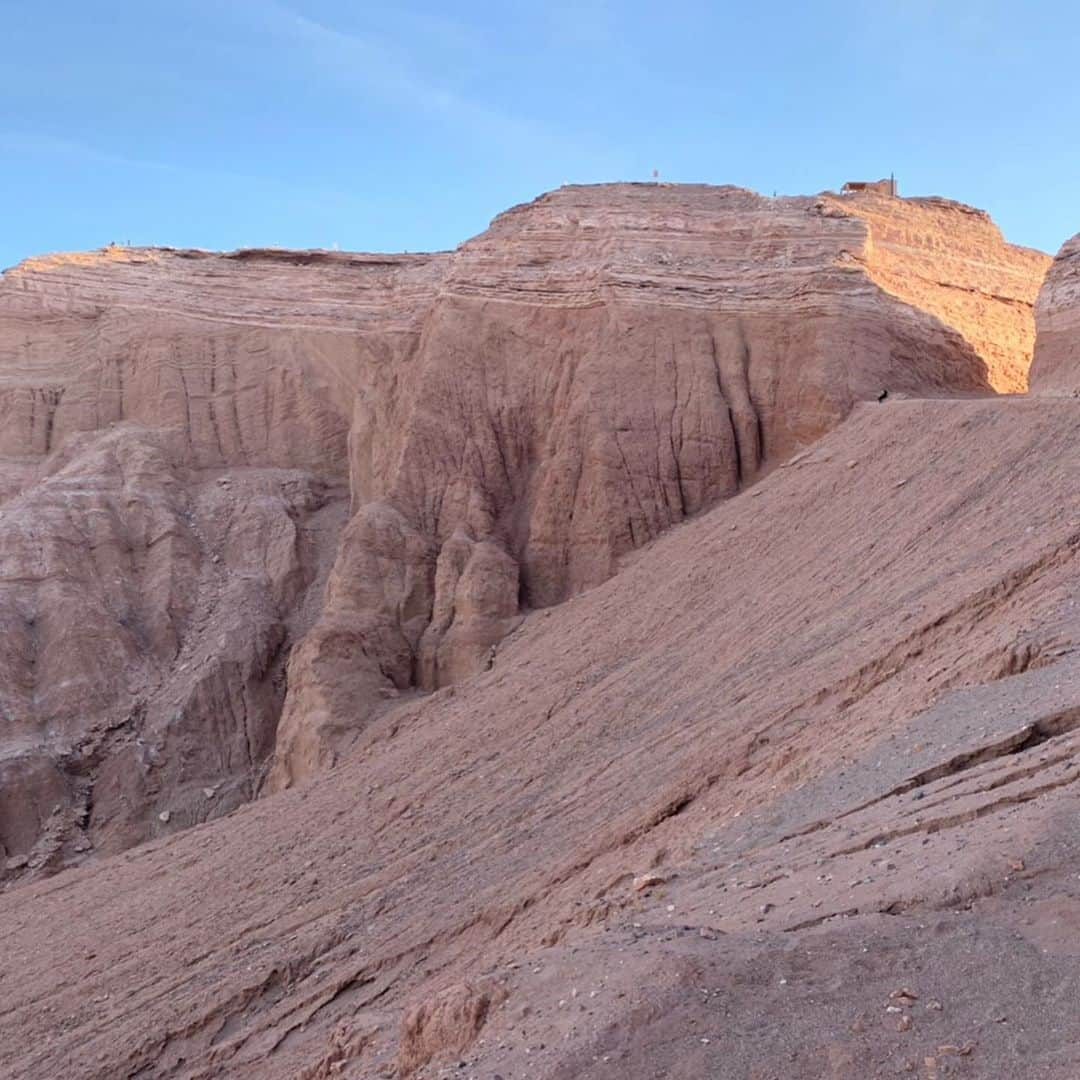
(606, 361)
(1056, 368)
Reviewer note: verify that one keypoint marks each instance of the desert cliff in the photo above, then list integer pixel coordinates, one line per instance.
(554, 658)
(603, 363)
(250, 500)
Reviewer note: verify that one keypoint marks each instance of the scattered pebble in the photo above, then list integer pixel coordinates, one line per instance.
(648, 881)
(961, 1051)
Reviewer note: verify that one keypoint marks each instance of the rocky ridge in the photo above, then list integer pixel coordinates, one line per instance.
(603, 363)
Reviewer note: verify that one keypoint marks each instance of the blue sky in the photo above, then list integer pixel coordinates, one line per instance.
(407, 126)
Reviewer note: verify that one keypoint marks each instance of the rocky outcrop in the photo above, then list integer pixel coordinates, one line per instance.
(250, 358)
(950, 260)
(447, 1023)
(174, 432)
(511, 419)
(606, 361)
(1056, 368)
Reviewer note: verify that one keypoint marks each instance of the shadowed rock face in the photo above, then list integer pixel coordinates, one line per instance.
(146, 611)
(1056, 367)
(173, 480)
(181, 433)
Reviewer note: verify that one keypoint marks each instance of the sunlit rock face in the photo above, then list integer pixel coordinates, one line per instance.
(1056, 368)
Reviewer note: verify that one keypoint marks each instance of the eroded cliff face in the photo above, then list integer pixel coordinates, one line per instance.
(173, 481)
(606, 361)
(146, 612)
(1056, 368)
(510, 419)
(249, 359)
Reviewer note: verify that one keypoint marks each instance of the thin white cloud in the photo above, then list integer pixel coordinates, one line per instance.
(445, 32)
(380, 66)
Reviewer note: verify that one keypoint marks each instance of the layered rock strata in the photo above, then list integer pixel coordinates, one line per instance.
(1056, 368)
(606, 361)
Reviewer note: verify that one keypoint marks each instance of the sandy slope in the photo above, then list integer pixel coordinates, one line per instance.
(871, 651)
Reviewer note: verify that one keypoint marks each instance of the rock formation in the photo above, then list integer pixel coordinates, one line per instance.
(831, 730)
(606, 361)
(1056, 367)
(180, 432)
(950, 260)
(173, 480)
